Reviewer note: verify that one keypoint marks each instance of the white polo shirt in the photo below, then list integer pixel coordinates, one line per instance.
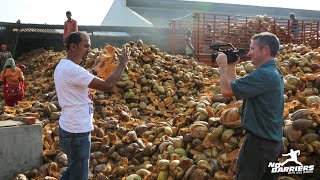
(72, 81)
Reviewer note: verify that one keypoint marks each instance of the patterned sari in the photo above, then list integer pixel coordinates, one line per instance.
(13, 93)
(13, 87)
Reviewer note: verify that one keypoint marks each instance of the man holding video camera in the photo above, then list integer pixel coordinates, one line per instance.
(263, 105)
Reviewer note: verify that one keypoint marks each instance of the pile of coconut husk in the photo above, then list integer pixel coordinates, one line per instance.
(166, 118)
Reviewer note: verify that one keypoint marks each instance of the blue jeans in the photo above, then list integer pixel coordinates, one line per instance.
(77, 148)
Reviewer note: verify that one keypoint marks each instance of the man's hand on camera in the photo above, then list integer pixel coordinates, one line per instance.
(234, 63)
(222, 60)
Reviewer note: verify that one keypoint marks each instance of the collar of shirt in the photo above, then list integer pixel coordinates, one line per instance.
(268, 63)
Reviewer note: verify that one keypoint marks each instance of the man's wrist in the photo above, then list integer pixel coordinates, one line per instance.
(94, 72)
(122, 64)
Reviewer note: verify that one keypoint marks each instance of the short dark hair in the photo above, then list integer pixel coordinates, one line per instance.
(268, 39)
(74, 37)
(68, 12)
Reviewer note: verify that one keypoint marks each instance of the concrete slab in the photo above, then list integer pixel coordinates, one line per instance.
(8, 123)
(20, 148)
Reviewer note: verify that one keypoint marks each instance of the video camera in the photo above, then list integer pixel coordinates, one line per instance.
(232, 55)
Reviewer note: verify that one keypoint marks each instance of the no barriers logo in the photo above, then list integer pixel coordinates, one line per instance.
(301, 169)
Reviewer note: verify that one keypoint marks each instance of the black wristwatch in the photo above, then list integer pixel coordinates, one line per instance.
(93, 72)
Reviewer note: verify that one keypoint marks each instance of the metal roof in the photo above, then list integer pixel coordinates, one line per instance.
(38, 30)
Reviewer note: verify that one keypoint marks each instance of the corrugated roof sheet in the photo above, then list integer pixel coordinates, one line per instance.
(37, 30)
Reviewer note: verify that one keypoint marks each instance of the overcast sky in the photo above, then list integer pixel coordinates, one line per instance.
(93, 12)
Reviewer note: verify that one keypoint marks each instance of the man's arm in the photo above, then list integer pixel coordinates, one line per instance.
(75, 26)
(111, 81)
(227, 73)
(64, 32)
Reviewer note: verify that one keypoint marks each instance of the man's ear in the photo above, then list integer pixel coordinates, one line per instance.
(266, 49)
(73, 47)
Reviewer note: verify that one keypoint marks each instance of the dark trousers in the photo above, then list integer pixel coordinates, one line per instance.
(254, 157)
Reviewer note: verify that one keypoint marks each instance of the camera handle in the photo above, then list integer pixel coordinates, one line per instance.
(217, 46)
(227, 45)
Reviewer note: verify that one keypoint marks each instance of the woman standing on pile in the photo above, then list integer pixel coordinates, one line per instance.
(13, 83)
(4, 55)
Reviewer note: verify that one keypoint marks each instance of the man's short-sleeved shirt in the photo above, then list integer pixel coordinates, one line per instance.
(262, 92)
(71, 82)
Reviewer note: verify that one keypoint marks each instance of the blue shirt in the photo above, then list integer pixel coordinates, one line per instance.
(263, 101)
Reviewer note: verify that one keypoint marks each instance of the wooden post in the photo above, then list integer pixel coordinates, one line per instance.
(17, 40)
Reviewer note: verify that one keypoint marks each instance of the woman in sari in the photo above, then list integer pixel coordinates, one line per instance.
(13, 83)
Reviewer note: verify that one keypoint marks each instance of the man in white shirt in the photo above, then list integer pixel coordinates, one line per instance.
(72, 84)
